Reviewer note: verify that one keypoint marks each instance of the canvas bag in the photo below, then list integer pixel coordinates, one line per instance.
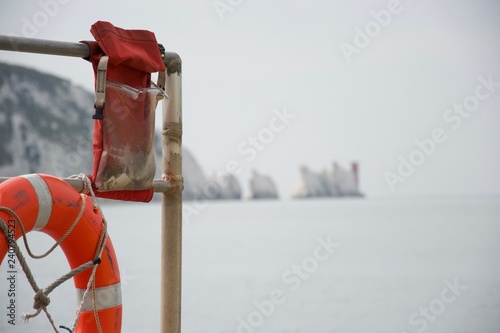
(123, 148)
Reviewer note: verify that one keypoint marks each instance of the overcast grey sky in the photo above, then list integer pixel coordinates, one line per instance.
(362, 81)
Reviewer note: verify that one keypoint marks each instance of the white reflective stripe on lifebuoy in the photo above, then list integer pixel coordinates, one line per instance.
(44, 200)
(106, 297)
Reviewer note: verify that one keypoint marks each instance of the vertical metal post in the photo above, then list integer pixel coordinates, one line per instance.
(171, 234)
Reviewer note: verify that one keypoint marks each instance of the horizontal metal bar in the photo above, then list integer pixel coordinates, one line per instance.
(161, 186)
(43, 46)
(76, 183)
(52, 47)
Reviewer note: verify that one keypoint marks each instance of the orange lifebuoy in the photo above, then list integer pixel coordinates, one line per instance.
(47, 204)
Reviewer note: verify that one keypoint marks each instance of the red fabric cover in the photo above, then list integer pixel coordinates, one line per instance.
(137, 49)
(133, 56)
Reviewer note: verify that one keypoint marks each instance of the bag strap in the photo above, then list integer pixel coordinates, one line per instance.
(100, 87)
(162, 77)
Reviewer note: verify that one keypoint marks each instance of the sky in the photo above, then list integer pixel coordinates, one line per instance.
(409, 89)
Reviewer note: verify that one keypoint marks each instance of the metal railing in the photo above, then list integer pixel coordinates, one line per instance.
(170, 185)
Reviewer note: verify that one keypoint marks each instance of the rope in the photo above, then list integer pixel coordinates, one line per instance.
(41, 299)
(98, 253)
(87, 185)
(72, 273)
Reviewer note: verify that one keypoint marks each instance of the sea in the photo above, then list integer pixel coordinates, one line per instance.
(373, 265)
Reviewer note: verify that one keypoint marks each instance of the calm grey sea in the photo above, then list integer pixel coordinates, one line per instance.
(322, 266)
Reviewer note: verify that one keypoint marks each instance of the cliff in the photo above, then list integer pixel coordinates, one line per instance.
(333, 181)
(45, 124)
(262, 187)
